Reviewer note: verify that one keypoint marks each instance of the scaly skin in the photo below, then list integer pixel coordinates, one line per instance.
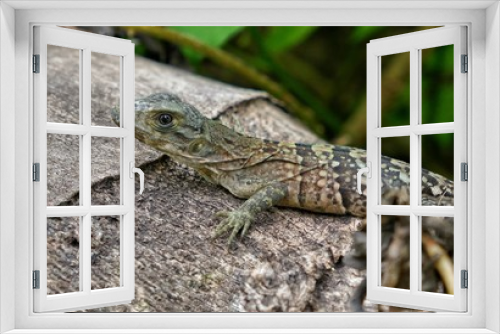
(318, 178)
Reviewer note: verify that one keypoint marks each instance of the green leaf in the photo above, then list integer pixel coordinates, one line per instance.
(280, 39)
(213, 36)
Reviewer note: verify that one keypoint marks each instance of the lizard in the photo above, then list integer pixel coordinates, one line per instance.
(318, 177)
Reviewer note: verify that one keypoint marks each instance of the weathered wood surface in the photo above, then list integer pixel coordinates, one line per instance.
(286, 263)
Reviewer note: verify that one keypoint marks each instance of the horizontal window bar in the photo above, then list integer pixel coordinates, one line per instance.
(103, 131)
(67, 129)
(79, 211)
(436, 128)
(77, 129)
(406, 210)
(393, 131)
(67, 211)
(434, 295)
(422, 129)
(85, 294)
(434, 211)
(392, 210)
(67, 295)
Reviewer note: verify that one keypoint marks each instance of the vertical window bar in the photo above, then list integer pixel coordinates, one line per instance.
(127, 226)
(82, 176)
(86, 169)
(378, 174)
(123, 175)
(414, 166)
(123, 163)
(418, 185)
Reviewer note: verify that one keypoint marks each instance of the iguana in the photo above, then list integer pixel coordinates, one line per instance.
(319, 178)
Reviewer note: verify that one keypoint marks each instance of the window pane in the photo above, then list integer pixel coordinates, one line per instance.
(63, 255)
(63, 91)
(437, 84)
(105, 262)
(105, 168)
(395, 171)
(63, 169)
(437, 254)
(437, 173)
(105, 88)
(395, 82)
(395, 246)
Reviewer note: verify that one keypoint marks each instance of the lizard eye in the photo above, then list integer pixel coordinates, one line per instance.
(165, 119)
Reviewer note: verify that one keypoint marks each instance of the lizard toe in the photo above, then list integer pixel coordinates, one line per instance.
(221, 214)
(234, 220)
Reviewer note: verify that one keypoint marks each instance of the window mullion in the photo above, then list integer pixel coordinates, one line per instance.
(85, 245)
(415, 170)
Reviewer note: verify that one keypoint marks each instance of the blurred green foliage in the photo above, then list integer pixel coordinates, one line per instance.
(324, 68)
(280, 39)
(213, 36)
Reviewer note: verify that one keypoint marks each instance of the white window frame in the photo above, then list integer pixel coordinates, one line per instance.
(483, 21)
(414, 43)
(123, 50)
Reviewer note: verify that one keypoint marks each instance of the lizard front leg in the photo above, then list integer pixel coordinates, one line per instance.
(245, 215)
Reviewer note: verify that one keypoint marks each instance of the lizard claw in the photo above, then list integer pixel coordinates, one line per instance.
(236, 220)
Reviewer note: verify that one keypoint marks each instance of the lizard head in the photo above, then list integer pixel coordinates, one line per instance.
(168, 124)
(176, 128)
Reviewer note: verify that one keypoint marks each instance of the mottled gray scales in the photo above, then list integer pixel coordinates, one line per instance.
(319, 178)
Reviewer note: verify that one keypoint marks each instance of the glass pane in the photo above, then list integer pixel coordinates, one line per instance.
(63, 169)
(437, 84)
(395, 252)
(395, 89)
(437, 254)
(105, 170)
(63, 91)
(105, 87)
(63, 255)
(437, 172)
(105, 262)
(395, 170)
